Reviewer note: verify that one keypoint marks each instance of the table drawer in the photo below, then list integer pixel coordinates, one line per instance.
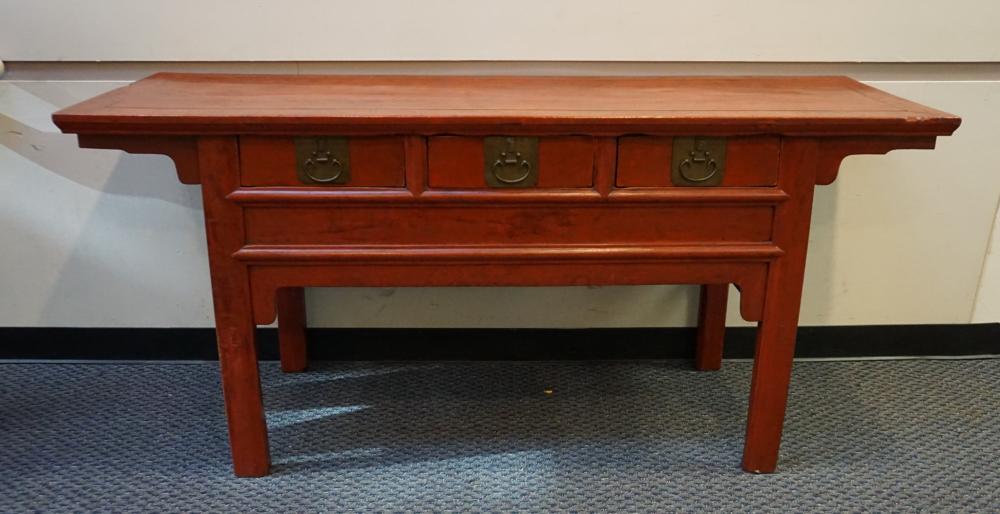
(363, 161)
(504, 162)
(647, 161)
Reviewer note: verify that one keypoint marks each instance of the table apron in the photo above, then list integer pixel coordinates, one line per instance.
(749, 275)
(492, 224)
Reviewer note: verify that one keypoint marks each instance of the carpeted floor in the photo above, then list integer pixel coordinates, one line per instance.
(880, 436)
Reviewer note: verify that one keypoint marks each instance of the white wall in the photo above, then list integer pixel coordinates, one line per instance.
(988, 297)
(101, 238)
(587, 30)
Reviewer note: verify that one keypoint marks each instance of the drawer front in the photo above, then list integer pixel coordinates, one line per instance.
(460, 162)
(372, 161)
(646, 161)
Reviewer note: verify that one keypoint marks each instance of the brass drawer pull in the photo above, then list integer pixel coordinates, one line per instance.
(507, 161)
(698, 161)
(511, 161)
(323, 160)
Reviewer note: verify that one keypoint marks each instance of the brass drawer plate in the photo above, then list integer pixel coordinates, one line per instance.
(698, 161)
(511, 161)
(323, 160)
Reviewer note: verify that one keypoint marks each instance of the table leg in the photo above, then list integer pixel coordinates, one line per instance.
(241, 390)
(218, 162)
(775, 346)
(772, 370)
(292, 328)
(711, 327)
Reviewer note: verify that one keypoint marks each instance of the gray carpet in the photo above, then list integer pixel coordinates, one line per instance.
(608, 436)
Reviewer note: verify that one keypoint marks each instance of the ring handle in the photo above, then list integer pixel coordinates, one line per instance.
(330, 163)
(500, 165)
(685, 167)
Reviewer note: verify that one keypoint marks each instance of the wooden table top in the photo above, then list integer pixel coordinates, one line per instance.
(190, 103)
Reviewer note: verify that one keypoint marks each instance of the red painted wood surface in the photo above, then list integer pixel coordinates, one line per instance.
(419, 213)
(191, 103)
(219, 158)
(385, 268)
(711, 326)
(457, 162)
(291, 306)
(644, 161)
(498, 224)
(775, 346)
(270, 161)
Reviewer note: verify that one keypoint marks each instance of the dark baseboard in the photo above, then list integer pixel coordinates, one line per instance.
(497, 344)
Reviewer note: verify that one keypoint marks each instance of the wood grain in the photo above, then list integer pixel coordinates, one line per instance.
(186, 103)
